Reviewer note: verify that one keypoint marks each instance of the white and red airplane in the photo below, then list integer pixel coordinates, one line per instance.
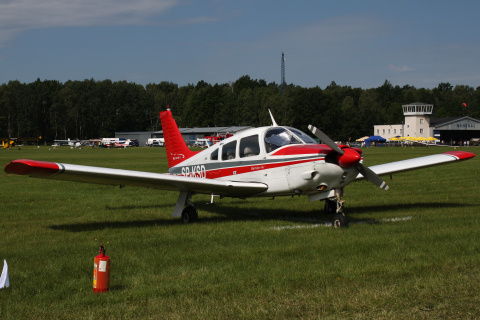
(259, 162)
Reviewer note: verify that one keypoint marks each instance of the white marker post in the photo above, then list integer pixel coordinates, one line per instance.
(4, 280)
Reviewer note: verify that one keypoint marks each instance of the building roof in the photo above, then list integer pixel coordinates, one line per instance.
(418, 104)
(210, 130)
(437, 122)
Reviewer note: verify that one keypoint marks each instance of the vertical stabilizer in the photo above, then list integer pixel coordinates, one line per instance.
(177, 150)
(4, 280)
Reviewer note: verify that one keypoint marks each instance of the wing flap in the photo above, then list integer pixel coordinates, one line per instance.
(417, 163)
(120, 177)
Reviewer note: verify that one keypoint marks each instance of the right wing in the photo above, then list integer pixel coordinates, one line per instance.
(421, 162)
(120, 177)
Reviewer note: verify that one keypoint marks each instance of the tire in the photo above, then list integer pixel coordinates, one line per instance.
(339, 221)
(189, 214)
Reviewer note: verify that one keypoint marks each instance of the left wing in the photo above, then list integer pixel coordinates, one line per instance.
(417, 163)
(119, 177)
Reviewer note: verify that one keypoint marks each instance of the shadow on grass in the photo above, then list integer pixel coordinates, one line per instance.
(229, 212)
(132, 207)
(407, 206)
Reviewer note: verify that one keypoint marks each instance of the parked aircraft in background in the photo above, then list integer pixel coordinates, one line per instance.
(217, 138)
(10, 142)
(203, 143)
(76, 143)
(66, 143)
(117, 143)
(124, 143)
(259, 162)
(155, 142)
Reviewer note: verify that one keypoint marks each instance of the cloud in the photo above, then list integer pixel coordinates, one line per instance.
(339, 29)
(403, 68)
(194, 20)
(21, 15)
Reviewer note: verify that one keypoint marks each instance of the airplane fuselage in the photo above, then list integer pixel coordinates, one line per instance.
(285, 159)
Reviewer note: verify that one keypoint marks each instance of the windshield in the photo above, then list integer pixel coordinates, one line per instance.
(302, 135)
(279, 137)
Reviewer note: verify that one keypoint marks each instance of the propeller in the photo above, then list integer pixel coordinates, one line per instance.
(371, 176)
(348, 157)
(326, 139)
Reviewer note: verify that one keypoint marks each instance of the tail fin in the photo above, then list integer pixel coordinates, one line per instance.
(177, 150)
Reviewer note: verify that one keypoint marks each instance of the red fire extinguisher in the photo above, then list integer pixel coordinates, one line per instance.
(101, 272)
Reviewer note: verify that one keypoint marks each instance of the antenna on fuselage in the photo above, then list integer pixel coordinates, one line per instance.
(274, 124)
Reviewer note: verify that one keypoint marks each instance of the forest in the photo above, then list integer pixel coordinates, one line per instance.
(91, 109)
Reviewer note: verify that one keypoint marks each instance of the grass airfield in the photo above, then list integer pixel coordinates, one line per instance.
(412, 252)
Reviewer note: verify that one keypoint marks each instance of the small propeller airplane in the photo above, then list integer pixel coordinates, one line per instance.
(258, 162)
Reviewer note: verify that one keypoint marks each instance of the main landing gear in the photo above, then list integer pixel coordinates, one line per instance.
(335, 207)
(185, 209)
(189, 213)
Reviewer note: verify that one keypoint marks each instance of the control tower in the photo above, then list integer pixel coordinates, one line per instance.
(417, 119)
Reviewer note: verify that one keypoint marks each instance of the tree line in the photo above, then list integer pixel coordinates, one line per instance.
(92, 109)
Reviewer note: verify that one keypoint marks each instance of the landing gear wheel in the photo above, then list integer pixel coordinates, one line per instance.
(189, 214)
(330, 206)
(340, 221)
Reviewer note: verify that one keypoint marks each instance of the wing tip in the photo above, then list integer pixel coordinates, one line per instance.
(32, 168)
(461, 155)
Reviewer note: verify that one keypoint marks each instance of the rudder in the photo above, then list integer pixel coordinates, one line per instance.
(177, 150)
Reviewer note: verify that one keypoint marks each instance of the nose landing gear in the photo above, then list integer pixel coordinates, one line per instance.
(335, 206)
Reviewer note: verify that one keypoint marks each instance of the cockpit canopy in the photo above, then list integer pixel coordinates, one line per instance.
(250, 145)
(281, 136)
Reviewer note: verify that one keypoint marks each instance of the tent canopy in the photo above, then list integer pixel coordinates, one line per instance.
(375, 139)
(363, 138)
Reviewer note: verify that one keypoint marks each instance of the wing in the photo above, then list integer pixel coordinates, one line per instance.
(417, 163)
(119, 177)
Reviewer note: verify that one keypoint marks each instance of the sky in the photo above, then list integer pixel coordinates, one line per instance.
(355, 43)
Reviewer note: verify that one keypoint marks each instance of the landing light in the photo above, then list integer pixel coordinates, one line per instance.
(322, 187)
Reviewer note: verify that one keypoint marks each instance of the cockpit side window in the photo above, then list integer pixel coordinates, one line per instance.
(278, 137)
(228, 150)
(214, 155)
(249, 146)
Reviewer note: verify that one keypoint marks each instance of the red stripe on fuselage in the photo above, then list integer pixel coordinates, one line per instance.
(224, 172)
(32, 168)
(301, 153)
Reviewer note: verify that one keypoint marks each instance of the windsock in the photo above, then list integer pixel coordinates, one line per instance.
(4, 280)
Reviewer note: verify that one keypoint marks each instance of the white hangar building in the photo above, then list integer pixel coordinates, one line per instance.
(419, 123)
(188, 134)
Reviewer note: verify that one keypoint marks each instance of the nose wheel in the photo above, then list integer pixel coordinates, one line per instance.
(339, 220)
(335, 207)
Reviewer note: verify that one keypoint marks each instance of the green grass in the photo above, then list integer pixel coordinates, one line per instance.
(412, 252)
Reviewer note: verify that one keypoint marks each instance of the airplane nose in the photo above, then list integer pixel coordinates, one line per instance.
(349, 158)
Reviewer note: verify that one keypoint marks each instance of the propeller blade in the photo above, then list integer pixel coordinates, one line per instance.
(371, 176)
(322, 136)
(365, 171)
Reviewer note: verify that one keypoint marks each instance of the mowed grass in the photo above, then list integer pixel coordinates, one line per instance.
(412, 252)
